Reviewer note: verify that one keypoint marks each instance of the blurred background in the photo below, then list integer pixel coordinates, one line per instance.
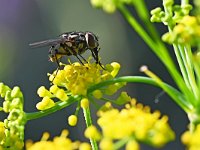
(23, 22)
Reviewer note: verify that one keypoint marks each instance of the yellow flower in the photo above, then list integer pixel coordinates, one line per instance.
(72, 120)
(106, 144)
(84, 146)
(61, 142)
(92, 132)
(97, 94)
(77, 78)
(191, 139)
(136, 121)
(84, 103)
(187, 31)
(42, 92)
(132, 145)
(2, 129)
(46, 103)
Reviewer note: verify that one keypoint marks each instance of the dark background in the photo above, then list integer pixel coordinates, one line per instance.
(23, 22)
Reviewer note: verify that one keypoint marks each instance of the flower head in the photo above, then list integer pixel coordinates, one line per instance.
(186, 31)
(59, 142)
(191, 139)
(78, 78)
(109, 6)
(138, 123)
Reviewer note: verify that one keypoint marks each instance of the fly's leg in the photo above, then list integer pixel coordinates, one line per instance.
(95, 55)
(57, 62)
(83, 58)
(79, 59)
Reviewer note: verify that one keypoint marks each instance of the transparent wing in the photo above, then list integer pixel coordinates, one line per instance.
(46, 43)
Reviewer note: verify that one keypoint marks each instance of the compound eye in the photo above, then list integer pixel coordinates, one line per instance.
(91, 40)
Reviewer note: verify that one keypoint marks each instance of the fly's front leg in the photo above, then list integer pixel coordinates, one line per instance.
(96, 57)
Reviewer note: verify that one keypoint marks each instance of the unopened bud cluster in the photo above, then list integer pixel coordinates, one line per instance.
(12, 129)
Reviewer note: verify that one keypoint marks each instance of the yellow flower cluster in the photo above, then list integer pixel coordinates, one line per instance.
(191, 139)
(53, 92)
(12, 128)
(78, 78)
(75, 79)
(186, 31)
(109, 6)
(136, 123)
(2, 130)
(61, 142)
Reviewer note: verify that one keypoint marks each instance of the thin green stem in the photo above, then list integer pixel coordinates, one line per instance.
(186, 58)
(138, 28)
(157, 47)
(78, 108)
(88, 121)
(59, 105)
(181, 65)
(191, 74)
(172, 92)
(143, 14)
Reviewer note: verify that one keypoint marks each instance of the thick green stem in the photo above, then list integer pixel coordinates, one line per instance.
(172, 92)
(88, 121)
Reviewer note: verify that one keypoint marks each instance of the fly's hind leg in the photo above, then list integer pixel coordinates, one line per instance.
(57, 62)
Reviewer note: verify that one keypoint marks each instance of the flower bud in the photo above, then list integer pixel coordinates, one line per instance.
(84, 103)
(72, 120)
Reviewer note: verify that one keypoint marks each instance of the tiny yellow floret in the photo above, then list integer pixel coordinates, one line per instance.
(46, 103)
(60, 94)
(53, 89)
(84, 103)
(132, 145)
(85, 146)
(92, 132)
(2, 129)
(116, 67)
(106, 144)
(42, 92)
(72, 120)
(97, 94)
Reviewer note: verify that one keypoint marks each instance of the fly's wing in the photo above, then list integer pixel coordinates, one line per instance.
(50, 42)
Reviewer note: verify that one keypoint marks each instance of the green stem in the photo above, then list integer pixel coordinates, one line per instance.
(181, 64)
(190, 67)
(59, 105)
(143, 14)
(133, 22)
(172, 92)
(88, 121)
(188, 73)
